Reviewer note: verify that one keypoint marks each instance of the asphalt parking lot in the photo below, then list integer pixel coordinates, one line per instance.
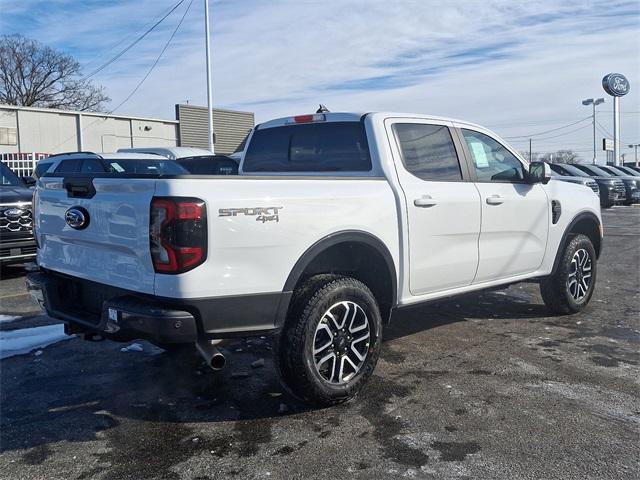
(482, 386)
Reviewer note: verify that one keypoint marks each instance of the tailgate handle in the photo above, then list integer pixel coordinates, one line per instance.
(79, 187)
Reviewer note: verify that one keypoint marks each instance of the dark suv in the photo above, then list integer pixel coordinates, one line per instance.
(17, 244)
(611, 189)
(631, 182)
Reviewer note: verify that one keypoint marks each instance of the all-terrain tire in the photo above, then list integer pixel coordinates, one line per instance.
(294, 354)
(556, 290)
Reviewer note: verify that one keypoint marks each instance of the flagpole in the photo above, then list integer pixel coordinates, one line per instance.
(209, 94)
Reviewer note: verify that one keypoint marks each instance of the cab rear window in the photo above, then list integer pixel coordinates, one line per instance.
(311, 147)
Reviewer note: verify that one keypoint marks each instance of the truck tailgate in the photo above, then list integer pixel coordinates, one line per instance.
(113, 246)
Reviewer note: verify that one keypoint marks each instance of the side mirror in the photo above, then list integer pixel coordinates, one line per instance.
(539, 172)
(29, 181)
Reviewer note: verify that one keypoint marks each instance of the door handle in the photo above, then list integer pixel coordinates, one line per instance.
(495, 200)
(425, 201)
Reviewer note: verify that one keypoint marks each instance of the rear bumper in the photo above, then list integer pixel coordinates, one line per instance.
(17, 251)
(121, 314)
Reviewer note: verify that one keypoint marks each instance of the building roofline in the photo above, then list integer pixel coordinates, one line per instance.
(190, 105)
(86, 114)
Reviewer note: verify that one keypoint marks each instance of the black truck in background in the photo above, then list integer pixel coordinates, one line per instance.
(17, 243)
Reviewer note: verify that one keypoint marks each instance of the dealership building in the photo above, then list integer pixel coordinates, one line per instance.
(27, 134)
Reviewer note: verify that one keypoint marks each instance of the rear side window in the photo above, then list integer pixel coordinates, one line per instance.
(69, 166)
(428, 151)
(91, 165)
(311, 147)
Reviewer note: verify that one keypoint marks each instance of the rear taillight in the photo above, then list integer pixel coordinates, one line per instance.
(177, 234)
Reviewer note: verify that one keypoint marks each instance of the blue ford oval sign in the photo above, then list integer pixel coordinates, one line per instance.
(615, 84)
(77, 217)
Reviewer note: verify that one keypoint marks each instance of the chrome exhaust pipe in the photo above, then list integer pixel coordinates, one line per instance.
(212, 356)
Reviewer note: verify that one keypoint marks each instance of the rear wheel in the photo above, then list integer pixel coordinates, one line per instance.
(331, 340)
(570, 288)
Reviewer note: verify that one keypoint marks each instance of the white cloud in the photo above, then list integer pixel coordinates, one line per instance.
(520, 66)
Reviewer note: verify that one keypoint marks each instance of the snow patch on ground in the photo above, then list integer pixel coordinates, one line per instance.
(24, 340)
(134, 347)
(7, 318)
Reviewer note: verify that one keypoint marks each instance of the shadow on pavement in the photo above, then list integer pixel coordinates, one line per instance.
(145, 404)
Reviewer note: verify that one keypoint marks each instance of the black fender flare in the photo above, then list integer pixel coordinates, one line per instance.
(336, 238)
(565, 236)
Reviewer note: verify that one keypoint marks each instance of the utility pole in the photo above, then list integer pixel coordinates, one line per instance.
(635, 147)
(209, 94)
(594, 102)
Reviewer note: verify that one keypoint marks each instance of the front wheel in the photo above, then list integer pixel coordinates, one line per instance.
(331, 340)
(570, 288)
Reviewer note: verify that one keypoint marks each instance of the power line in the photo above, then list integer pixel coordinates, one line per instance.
(552, 129)
(155, 63)
(124, 39)
(164, 49)
(603, 129)
(562, 134)
(131, 45)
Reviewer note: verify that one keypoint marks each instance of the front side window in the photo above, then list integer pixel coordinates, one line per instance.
(491, 160)
(595, 171)
(428, 151)
(41, 169)
(310, 147)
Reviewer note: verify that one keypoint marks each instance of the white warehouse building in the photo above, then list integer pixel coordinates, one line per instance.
(27, 133)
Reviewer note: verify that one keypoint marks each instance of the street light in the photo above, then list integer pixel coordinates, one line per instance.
(635, 147)
(594, 102)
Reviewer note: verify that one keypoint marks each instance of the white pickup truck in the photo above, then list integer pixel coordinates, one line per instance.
(334, 221)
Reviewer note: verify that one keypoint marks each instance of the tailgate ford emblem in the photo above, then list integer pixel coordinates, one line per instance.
(77, 217)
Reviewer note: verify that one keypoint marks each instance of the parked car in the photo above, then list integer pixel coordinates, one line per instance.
(612, 190)
(629, 170)
(632, 194)
(17, 244)
(632, 166)
(631, 182)
(210, 165)
(196, 160)
(335, 221)
(120, 163)
(587, 182)
(172, 153)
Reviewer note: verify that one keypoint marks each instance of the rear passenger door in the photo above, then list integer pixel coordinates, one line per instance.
(443, 205)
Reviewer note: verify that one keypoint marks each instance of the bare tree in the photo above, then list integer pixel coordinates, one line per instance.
(561, 156)
(34, 75)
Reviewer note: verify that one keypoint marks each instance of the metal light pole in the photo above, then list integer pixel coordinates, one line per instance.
(635, 147)
(209, 94)
(616, 131)
(594, 102)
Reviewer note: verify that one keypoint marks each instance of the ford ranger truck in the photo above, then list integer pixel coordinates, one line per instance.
(334, 221)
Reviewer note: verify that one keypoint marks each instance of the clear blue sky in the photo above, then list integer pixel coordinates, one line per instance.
(519, 67)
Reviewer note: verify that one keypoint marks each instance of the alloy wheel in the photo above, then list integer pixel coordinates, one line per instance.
(579, 280)
(341, 342)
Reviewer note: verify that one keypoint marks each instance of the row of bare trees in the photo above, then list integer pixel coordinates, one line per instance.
(35, 75)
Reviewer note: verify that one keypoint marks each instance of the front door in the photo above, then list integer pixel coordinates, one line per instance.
(443, 206)
(515, 214)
